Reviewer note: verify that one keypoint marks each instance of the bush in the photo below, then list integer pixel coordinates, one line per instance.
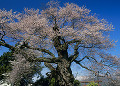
(52, 82)
(76, 83)
(92, 84)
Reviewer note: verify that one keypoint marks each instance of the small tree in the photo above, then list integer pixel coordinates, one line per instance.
(57, 36)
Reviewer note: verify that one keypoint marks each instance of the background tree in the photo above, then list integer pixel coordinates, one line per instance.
(5, 65)
(57, 36)
(108, 79)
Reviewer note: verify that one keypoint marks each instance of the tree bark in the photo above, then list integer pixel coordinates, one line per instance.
(63, 71)
(65, 77)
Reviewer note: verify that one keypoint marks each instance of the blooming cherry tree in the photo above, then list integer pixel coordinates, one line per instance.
(64, 34)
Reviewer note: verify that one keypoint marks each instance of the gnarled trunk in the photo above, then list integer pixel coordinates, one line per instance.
(64, 74)
(65, 77)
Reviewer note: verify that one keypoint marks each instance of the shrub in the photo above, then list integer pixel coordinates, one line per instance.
(92, 84)
(76, 83)
(52, 82)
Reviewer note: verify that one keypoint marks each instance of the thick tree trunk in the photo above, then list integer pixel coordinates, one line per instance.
(63, 71)
(65, 77)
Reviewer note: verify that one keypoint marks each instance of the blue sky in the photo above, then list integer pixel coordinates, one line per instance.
(107, 9)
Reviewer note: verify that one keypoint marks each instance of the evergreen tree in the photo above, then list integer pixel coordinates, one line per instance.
(5, 65)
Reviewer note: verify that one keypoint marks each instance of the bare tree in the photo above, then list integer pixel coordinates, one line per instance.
(59, 35)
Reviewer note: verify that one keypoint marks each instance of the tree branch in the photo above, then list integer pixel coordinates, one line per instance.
(48, 60)
(95, 72)
(2, 34)
(7, 45)
(33, 58)
(76, 53)
(73, 41)
(44, 50)
(87, 46)
(41, 59)
(77, 62)
(49, 66)
(87, 57)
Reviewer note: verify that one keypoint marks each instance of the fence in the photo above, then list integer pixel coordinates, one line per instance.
(86, 82)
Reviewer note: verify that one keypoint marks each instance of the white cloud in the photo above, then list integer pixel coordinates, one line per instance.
(80, 78)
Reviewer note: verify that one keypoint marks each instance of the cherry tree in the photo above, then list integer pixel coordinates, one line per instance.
(57, 36)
